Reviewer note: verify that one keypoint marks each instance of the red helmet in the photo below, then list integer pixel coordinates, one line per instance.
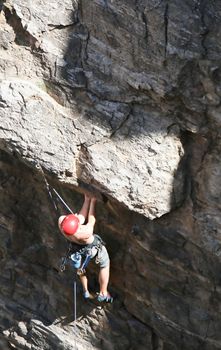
(70, 224)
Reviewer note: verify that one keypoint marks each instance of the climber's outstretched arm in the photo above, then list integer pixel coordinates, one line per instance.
(91, 213)
(83, 213)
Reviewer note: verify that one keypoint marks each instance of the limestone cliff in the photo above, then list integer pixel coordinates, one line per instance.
(121, 98)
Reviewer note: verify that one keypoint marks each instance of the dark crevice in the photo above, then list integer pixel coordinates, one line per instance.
(200, 9)
(157, 343)
(61, 26)
(144, 18)
(156, 6)
(101, 98)
(2, 2)
(56, 90)
(191, 143)
(166, 18)
(23, 37)
(203, 42)
(85, 42)
(122, 123)
(196, 147)
(86, 34)
(204, 33)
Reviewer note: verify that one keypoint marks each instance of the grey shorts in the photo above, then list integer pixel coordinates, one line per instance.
(102, 258)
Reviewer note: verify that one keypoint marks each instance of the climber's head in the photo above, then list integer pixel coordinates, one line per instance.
(69, 224)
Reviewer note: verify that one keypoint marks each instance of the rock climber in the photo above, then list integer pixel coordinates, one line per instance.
(79, 229)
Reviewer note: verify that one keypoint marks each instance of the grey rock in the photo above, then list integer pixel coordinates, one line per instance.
(53, 143)
(121, 98)
(27, 104)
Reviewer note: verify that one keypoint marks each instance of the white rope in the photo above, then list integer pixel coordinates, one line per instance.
(75, 314)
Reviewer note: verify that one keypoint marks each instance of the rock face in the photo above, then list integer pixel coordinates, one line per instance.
(121, 98)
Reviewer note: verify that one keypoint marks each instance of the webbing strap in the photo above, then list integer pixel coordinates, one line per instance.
(86, 262)
(65, 258)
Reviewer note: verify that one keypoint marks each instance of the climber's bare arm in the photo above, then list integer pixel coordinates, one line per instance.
(91, 213)
(84, 232)
(83, 213)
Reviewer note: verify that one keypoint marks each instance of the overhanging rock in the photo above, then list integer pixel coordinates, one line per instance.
(136, 165)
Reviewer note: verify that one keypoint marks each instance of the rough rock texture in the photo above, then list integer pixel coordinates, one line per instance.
(137, 144)
(122, 98)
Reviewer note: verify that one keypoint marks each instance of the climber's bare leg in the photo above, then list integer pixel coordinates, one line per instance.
(104, 279)
(84, 282)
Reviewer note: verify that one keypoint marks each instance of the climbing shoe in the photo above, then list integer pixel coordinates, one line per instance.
(105, 298)
(86, 295)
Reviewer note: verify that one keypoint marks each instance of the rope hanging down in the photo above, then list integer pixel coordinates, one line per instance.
(62, 201)
(54, 190)
(64, 260)
(48, 187)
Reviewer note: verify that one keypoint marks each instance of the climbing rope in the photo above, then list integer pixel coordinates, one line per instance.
(75, 312)
(62, 201)
(48, 187)
(64, 260)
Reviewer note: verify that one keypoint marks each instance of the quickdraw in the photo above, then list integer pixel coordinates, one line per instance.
(65, 259)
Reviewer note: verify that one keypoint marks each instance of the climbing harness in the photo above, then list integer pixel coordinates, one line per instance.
(76, 260)
(85, 252)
